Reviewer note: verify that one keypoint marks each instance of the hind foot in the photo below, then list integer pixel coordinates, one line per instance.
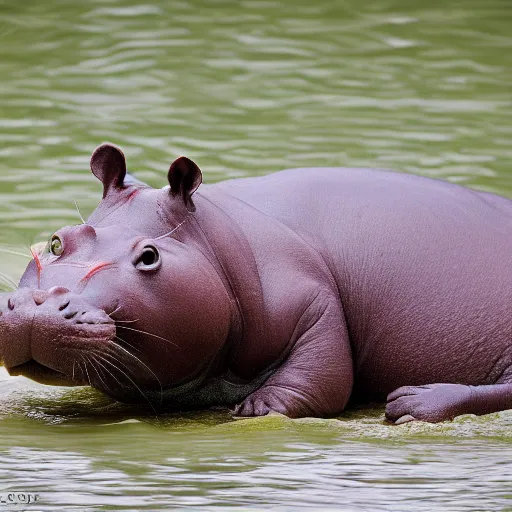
(440, 402)
(432, 403)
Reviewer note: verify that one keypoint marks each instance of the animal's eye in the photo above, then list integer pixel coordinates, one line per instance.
(149, 258)
(56, 245)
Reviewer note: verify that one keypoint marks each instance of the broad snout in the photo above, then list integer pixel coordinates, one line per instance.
(46, 333)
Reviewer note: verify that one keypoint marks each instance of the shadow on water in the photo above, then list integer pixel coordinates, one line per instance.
(86, 407)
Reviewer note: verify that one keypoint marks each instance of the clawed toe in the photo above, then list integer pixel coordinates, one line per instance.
(405, 419)
(432, 403)
(251, 407)
(407, 391)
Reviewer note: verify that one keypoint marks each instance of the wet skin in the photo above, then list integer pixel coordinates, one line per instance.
(293, 293)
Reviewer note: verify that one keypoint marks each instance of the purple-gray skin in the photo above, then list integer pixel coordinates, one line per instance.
(293, 293)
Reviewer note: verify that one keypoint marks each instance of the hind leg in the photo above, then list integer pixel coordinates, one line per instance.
(440, 402)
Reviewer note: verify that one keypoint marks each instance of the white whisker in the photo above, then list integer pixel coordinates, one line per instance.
(103, 366)
(121, 321)
(79, 214)
(141, 362)
(9, 280)
(113, 312)
(172, 230)
(87, 372)
(126, 343)
(92, 358)
(16, 253)
(102, 356)
(148, 333)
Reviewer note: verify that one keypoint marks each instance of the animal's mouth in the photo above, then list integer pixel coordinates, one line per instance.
(43, 374)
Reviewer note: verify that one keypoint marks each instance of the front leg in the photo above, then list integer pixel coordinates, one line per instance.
(317, 376)
(440, 402)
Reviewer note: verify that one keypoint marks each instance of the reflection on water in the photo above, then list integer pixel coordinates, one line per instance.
(245, 89)
(290, 471)
(89, 451)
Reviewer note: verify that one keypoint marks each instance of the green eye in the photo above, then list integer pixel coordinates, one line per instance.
(56, 246)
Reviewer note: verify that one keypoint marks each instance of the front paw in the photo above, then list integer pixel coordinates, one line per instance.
(432, 403)
(260, 403)
(293, 403)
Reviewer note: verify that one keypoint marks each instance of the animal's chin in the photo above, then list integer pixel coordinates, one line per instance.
(43, 374)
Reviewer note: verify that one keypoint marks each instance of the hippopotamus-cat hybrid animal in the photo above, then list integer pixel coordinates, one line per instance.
(293, 292)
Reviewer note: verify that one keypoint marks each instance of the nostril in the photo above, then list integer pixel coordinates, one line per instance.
(58, 290)
(10, 304)
(70, 315)
(64, 306)
(39, 296)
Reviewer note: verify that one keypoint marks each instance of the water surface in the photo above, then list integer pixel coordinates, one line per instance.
(244, 88)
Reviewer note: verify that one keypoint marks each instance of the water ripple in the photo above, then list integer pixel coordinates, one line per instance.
(245, 89)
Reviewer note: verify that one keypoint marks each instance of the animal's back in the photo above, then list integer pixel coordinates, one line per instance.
(271, 291)
(422, 267)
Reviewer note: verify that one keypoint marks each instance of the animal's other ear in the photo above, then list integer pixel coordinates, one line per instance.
(184, 178)
(109, 166)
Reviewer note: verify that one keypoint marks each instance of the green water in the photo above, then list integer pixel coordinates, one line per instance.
(244, 88)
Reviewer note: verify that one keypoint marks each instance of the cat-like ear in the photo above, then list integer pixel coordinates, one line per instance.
(109, 166)
(184, 178)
